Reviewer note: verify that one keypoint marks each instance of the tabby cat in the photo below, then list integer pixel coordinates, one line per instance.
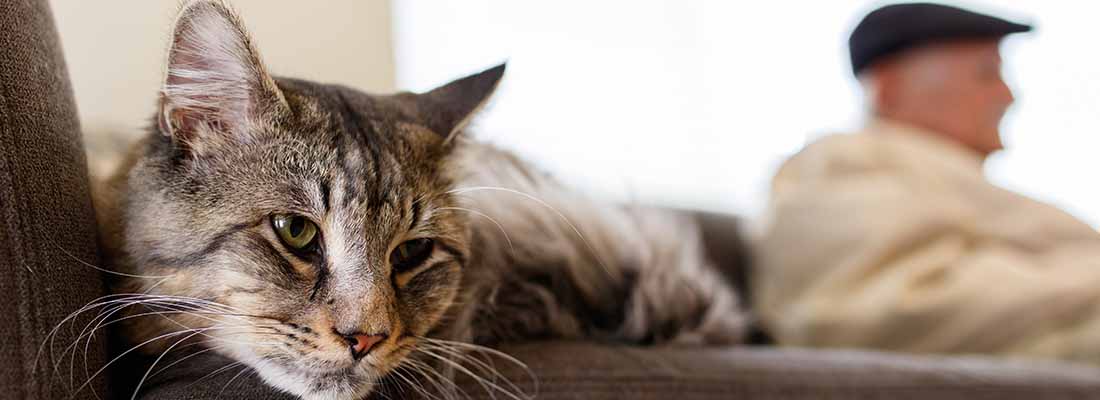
(323, 236)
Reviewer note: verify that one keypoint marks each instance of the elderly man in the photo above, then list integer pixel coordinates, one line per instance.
(891, 238)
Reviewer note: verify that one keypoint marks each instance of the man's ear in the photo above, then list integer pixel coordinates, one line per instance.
(883, 81)
(215, 84)
(448, 108)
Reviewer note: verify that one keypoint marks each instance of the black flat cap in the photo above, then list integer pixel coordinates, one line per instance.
(893, 28)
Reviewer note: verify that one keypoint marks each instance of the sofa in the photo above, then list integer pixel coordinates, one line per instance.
(48, 251)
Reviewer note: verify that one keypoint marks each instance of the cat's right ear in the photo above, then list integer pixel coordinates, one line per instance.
(449, 108)
(215, 86)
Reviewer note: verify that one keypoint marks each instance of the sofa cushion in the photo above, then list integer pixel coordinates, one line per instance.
(48, 228)
(585, 371)
(568, 370)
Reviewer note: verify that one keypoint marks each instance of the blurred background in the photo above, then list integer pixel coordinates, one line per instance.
(683, 103)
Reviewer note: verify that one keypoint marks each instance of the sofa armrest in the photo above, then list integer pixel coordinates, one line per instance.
(49, 227)
(578, 370)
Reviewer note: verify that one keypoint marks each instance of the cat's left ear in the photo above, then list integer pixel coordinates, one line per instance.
(216, 87)
(449, 108)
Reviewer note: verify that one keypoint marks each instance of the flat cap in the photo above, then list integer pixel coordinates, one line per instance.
(893, 28)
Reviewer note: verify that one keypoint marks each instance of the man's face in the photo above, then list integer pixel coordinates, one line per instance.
(954, 89)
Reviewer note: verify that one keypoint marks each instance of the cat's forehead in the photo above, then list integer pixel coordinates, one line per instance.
(341, 151)
(364, 151)
(346, 108)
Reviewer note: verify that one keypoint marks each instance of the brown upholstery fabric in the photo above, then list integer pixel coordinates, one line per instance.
(589, 371)
(48, 225)
(586, 371)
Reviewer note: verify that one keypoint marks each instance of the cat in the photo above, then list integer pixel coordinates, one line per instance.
(325, 237)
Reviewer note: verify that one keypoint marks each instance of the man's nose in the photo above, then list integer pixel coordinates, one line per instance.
(360, 343)
(1006, 93)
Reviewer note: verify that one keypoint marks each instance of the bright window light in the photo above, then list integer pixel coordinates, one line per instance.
(695, 103)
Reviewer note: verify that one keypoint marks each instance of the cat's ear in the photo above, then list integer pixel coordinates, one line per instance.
(448, 108)
(216, 85)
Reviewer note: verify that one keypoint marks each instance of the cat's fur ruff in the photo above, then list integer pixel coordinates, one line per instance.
(516, 255)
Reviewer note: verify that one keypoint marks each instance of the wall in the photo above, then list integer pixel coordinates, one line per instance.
(115, 51)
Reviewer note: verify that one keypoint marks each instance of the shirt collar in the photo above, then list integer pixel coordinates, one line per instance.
(952, 154)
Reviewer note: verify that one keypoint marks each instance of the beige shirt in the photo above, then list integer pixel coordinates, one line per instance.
(893, 239)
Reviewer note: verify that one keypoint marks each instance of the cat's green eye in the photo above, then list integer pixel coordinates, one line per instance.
(296, 231)
(411, 254)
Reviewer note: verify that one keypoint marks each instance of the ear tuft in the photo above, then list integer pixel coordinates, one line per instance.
(447, 109)
(215, 82)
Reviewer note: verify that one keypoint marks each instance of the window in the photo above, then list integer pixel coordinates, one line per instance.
(695, 103)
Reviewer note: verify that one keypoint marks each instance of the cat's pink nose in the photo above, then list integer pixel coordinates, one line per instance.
(361, 343)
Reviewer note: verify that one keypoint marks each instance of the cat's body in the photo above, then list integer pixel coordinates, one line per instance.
(547, 262)
(280, 221)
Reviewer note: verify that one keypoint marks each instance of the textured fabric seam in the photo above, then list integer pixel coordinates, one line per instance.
(18, 250)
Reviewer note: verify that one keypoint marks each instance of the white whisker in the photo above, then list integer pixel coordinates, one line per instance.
(87, 264)
(587, 244)
(98, 302)
(189, 356)
(437, 379)
(155, 362)
(489, 351)
(481, 365)
(128, 351)
(238, 375)
(489, 387)
(415, 386)
(215, 372)
(499, 226)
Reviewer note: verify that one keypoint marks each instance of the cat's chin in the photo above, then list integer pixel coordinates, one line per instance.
(350, 384)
